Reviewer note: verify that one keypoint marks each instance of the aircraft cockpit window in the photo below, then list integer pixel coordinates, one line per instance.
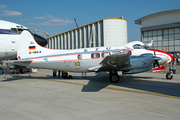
(17, 30)
(20, 30)
(14, 30)
(146, 47)
(137, 46)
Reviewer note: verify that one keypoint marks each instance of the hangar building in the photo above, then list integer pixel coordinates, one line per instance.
(163, 28)
(105, 32)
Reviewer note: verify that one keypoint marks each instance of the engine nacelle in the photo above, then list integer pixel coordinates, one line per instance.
(137, 70)
(147, 54)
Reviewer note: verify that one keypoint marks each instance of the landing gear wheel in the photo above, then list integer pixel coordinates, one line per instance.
(114, 78)
(169, 75)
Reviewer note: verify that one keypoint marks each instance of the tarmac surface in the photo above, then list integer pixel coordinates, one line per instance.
(39, 96)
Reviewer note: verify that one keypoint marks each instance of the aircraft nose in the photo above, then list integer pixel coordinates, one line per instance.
(167, 58)
(171, 57)
(40, 40)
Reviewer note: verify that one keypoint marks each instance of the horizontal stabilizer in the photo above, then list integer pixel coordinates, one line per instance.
(19, 62)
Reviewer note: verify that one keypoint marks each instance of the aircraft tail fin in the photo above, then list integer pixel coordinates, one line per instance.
(150, 43)
(27, 46)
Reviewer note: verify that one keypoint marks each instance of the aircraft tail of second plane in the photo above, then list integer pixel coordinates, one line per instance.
(28, 48)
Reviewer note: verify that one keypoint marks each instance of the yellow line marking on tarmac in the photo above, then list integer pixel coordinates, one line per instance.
(111, 88)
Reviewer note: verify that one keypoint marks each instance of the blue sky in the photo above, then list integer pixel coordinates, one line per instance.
(57, 16)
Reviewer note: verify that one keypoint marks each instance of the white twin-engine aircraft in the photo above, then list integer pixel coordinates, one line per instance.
(129, 58)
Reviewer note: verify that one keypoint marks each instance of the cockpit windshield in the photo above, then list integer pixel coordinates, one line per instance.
(138, 46)
(18, 30)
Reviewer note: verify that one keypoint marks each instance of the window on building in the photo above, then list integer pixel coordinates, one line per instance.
(155, 33)
(177, 30)
(169, 37)
(150, 33)
(165, 31)
(160, 32)
(177, 36)
(145, 34)
(145, 39)
(171, 31)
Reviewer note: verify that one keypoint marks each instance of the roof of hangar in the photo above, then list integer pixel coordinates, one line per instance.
(139, 21)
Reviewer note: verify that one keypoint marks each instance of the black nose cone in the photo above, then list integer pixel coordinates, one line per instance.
(40, 40)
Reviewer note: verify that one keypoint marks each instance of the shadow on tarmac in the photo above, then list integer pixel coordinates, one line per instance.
(101, 81)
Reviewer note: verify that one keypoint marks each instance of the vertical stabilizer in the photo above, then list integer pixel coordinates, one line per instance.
(27, 46)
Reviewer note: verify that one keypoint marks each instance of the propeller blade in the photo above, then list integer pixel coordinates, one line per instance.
(156, 61)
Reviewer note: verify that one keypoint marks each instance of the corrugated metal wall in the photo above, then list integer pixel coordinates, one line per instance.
(105, 32)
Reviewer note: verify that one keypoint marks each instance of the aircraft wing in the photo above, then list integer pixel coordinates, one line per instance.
(116, 61)
(19, 62)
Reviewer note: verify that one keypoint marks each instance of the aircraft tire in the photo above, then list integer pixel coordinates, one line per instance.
(169, 75)
(114, 78)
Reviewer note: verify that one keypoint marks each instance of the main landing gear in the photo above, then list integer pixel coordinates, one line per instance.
(113, 76)
(64, 74)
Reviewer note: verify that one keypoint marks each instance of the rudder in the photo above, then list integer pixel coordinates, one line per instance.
(27, 46)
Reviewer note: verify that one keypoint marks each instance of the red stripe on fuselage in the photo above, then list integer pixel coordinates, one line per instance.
(162, 52)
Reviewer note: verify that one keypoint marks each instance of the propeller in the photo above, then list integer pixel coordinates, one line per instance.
(156, 62)
(156, 59)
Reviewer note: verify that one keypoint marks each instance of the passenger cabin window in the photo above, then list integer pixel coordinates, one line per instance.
(95, 55)
(115, 53)
(137, 46)
(79, 57)
(104, 54)
(130, 53)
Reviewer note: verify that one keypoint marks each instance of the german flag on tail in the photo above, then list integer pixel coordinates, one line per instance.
(32, 48)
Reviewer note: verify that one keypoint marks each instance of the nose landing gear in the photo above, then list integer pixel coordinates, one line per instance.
(169, 74)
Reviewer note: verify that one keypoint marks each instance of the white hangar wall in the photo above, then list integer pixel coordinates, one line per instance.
(163, 28)
(115, 32)
(161, 18)
(105, 32)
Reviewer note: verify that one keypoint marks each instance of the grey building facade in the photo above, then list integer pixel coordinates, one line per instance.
(163, 28)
